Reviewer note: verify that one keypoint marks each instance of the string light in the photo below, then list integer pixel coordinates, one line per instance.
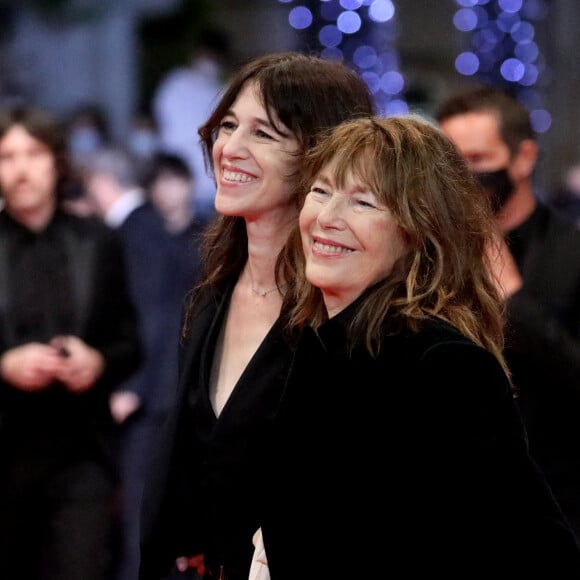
(504, 50)
(362, 33)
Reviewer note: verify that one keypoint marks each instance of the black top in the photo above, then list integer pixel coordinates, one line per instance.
(203, 493)
(413, 464)
(543, 348)
(40, 277)
(69, 278)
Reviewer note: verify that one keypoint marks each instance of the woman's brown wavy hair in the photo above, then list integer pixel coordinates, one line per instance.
(417, 173)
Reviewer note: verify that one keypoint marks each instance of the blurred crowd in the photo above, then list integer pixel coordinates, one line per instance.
(99, 250)
(151, 191)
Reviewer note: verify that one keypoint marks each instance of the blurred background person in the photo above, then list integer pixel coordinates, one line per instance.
(566, 199)
(183, 101)
(68, 337)
(159, 229)
(538, 269)
(111, 185)
(142, 141)
(88, 130)
(115, 195)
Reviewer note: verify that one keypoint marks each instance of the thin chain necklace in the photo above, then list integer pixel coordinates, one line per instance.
(263, 293)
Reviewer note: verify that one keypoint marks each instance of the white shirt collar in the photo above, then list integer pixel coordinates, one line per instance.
(124, 206)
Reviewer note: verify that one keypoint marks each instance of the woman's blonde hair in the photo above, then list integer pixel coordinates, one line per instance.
(417, 172)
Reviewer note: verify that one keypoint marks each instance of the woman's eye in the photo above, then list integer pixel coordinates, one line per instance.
(364, 203)
(318, 190)
(227, 126)
(263, 134)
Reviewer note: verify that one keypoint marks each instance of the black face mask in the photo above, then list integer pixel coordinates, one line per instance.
(499, 186)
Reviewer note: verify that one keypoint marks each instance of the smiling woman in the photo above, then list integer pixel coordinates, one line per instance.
(252, 156)
(205, 492)
(350, 238)
(398, 401)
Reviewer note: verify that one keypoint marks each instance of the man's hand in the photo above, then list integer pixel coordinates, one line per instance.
(31, 367)
(81, 365)
(123, 404)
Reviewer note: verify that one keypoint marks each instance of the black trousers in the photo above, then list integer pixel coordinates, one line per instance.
(57, 524)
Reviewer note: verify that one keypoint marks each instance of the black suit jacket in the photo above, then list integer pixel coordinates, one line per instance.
(410, 465)
(203, 490)
(55, 425)
(163, 267)
(543, 348)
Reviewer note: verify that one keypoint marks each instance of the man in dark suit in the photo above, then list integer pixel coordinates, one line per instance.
(538, 269)
(157, 224)
(68, 336)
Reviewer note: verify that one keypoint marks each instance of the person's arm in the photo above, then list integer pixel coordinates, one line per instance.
(113, 325)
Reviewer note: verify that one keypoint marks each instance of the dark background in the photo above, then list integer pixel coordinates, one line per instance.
(59, 53)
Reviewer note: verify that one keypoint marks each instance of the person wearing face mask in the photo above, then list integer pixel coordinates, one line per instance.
(142, 141)
(538, 272)
(87, 131)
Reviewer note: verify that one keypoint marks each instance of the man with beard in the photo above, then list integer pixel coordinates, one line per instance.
(538, 270)
(68, 336)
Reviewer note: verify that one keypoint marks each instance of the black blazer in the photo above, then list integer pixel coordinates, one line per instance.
(410, 465)
(79, 425)
(543, 348)
(203, 489)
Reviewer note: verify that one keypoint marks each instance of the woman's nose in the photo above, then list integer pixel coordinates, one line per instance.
(332, 213)
(235, 144)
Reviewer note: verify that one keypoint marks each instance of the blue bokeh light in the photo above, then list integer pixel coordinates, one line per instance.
(507, 22)
(527, 52)
(510, 5)
(530, 77)
(467, 63)
(365, 57)
(330, 36)
(351, 4)
(349, 22)
(541, 120)
(372, 80)
(392, 82)
(381, 10)
(397, 107)
(300, 17)
(503, 51)
(465, 20)
(512, 69)
(525, 32)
